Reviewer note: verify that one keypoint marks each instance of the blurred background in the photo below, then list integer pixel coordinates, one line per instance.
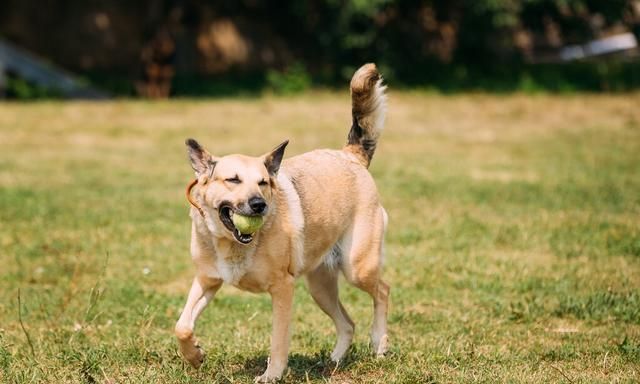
(164, 48)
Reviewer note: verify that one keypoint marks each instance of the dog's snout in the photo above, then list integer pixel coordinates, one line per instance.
(257, 204)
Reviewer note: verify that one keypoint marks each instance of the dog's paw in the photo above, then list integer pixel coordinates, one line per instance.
(383, 346)
(194, 354)
(341, 348)
(266, 378)
(198, 358)
(337, 356)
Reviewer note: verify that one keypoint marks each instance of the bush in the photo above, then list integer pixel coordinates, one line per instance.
(294, 79)
(18, 88)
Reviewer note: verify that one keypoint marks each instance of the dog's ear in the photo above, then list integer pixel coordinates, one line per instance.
(201, 161)
(273, 159)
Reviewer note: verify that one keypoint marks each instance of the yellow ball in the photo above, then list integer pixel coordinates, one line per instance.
(247, 224)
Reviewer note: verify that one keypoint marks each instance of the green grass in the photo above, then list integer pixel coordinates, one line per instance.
(513, 250)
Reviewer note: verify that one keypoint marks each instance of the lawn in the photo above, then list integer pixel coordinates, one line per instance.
(513, 250)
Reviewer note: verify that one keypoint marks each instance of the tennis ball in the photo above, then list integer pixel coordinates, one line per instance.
(247, 224)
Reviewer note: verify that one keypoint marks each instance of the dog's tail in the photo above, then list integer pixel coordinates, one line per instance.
(368, 107)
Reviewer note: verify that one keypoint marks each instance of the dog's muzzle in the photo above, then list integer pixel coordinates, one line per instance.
(225, 210)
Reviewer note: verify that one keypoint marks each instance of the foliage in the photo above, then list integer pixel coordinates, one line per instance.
(294, 79)
(408, 38)
(483, 44)
(19, 88)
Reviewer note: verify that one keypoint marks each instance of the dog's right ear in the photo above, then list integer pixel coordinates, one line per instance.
(273, 159)
(201, 161)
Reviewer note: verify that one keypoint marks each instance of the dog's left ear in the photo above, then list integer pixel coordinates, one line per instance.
(273, 159)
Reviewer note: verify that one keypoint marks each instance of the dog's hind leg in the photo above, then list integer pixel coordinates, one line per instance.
(362, 267)
(201, 293)
(323, 286)
(379, 337)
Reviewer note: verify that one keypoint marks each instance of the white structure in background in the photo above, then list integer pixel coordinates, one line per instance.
(611, 44)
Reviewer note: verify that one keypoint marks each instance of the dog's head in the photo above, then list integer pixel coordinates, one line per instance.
(235, 184)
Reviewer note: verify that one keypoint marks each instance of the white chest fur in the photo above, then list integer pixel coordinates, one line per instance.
(233, 260)
(231, 269)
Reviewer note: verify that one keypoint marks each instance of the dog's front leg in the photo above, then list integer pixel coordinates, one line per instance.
(282, 303)
(202, 291)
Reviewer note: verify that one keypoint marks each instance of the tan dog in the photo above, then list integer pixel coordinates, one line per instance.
(321, 215)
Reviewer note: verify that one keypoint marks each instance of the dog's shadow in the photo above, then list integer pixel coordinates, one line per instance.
(300, 368)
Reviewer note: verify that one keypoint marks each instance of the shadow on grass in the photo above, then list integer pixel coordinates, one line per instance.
(300, 368)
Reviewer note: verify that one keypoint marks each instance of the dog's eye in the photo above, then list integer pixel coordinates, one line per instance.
(233, 180)
(262, 183)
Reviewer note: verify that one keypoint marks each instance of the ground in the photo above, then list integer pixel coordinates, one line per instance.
(513, 249)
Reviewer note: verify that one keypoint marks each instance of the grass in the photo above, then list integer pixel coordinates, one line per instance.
(513, 250)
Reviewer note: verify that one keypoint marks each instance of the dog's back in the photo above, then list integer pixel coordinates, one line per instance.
(335, 185)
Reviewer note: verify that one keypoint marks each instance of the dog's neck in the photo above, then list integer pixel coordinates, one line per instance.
(233, 252)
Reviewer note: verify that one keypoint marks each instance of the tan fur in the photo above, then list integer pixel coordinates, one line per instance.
(320, 205)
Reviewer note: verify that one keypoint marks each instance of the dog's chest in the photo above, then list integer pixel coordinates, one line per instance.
(233, 264)
(231, 271)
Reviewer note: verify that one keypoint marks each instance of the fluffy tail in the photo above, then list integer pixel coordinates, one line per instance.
(368, 107)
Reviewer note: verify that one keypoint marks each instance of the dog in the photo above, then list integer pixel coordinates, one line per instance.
(321, 214)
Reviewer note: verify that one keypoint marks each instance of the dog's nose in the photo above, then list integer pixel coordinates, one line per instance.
(257, 204)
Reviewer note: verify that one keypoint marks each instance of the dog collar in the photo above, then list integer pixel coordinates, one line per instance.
(190, 198)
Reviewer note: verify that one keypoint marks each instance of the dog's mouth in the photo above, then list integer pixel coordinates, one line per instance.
(225, 216)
